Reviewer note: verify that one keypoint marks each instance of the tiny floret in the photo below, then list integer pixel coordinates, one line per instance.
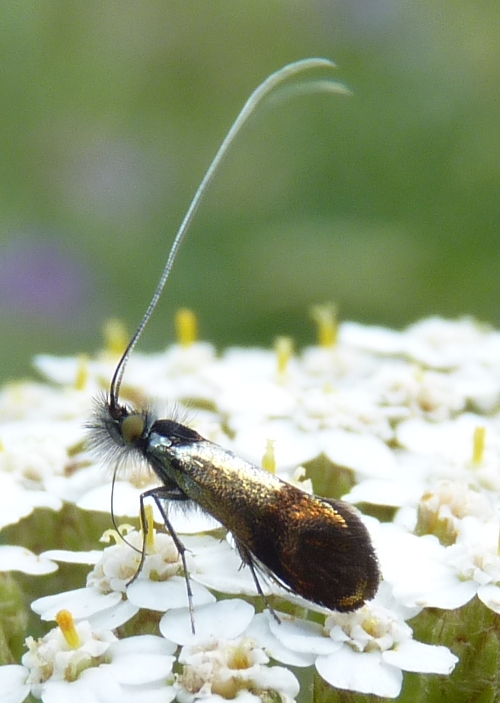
(227, 668)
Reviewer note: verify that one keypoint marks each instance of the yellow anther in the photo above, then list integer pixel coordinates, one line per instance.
(82, 373)
(283, 346)
(116, 337)
(479, 445)
(149, 529)
(66, 624)
(186, 325)
(269, 458)
(326, 319)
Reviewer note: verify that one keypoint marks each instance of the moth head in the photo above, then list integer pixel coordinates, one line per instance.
(115, 427)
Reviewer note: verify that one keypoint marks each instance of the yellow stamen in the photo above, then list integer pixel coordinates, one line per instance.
(82, 373)
(269, 458)
(2, 448)
(66, 624)
(117, 537)
(116, 337)
(326, 318)
(283, 346)
(149, 529)
(479, 445)
(186, 325)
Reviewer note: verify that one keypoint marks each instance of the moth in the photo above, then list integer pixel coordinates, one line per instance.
(314, 547)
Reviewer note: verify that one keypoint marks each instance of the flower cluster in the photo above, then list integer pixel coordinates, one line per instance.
(405, 423)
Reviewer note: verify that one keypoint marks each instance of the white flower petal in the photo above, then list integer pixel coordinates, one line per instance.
(125, 499)
(71, 488)
(451, 441)
(17, 502)
(360, 452)
(259, 631)
(277, 678)
(163, 595)
(364, 672)
(225, 619)
(154, 693)
(417, 569)
(143, 644)
(141, 660)
(13, 686)
(301, 635)
(292, 446)
(113, 617)
(69, 557)
(390, 493)
(445, 591)
(82, 603)
(425, 658)
(14, 558)
(94, 685)
(218, 566)
(490, 596)
(262, 398)
(371, 338)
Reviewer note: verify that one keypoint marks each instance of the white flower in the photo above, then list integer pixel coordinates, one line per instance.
(112, 596)
(376, 647)
(476, 560)
(364, 651)
(74, 662)
(232, 669)
(13, 683)
(13, 558)
(445, 504)
(445, 344)
(292, 640)
(418, 571)
(17, 502)
(219, 661)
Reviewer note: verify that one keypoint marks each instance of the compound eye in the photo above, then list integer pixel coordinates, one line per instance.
(132, 428)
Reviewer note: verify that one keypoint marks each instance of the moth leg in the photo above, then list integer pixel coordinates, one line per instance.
(247, 558)
(161, 494)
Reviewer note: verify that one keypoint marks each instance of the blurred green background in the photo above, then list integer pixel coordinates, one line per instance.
(386, 202)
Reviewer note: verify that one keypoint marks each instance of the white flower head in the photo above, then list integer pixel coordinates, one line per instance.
(377, 646)
(475, 559)
(228, 669)
(446, 503)
(116, 589)
(76, 662)
(65, 652)
(220, 661)
(120, 562)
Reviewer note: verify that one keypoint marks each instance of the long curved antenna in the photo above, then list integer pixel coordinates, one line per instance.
(264, 89)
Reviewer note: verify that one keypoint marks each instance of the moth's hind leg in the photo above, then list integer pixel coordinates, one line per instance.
(248, 559)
